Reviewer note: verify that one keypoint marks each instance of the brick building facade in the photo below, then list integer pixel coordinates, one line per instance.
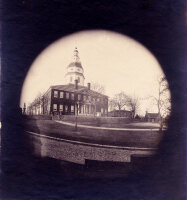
(67, 100)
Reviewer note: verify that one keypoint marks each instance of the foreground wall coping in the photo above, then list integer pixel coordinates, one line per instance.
(92, 144)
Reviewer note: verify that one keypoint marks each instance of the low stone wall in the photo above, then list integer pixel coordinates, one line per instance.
(78, 152)
(39, 117)
(93, 120)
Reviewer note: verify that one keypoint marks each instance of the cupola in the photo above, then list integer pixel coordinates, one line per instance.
(75, 70)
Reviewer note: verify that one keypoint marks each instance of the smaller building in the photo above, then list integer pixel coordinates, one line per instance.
(152, 117)
(120, 113)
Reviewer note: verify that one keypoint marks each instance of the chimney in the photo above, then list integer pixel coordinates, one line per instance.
(88, 84)
(76, 84)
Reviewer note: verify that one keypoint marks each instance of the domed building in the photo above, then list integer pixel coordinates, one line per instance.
(75, 70)
(73, 97)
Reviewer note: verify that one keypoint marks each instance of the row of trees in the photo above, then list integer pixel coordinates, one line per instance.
(121, 100)
(37, 105)
(161, 100)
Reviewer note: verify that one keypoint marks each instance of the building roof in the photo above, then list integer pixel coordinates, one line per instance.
(81, 89)
(75, 64)
(152, 115)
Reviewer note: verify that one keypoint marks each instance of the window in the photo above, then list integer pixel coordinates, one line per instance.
(72, 108)
(71, 79)
(61, 108)
(66, 108)
(84, 97)
(61, 94)
(79, 97)
(54, 107)
(56, 94)
(72, 96)
(78, 79)
(67, 95)
(106, 111)
(102, 110)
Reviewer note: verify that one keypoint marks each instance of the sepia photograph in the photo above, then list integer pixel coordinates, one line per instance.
(93, 100)
(63, 99)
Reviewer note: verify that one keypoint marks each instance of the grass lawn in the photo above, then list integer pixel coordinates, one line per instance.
(135, 125)
(109, 137)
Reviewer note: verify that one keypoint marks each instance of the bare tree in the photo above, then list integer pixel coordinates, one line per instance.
(99, 90)
(112, 104)
(163, 99)
(37, 105)
(133, 103)
(46, 102)
(119, 101)
(40, 102)
(29, 109)
(166, 95)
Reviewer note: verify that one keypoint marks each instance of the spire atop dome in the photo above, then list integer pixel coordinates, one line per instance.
(76, 55)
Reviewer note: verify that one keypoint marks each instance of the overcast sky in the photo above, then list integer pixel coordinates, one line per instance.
(111, 59)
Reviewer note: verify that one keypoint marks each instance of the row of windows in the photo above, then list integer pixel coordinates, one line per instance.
(61, 108)
(72, 97)
(68, 95)
(103, 111)
(62, 95)
(72, 69)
